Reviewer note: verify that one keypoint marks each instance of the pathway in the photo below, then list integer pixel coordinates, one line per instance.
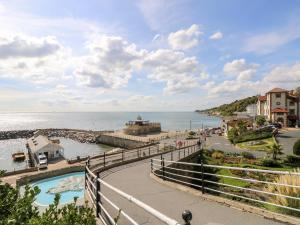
(287, 138)
(134, 179)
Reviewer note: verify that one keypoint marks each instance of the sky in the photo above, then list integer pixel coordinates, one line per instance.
(144, 55)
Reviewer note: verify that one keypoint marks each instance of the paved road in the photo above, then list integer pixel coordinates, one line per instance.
(221, 143)
(134, 179)
(287, 139)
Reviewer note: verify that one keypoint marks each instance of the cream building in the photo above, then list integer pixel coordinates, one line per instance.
(279, 105)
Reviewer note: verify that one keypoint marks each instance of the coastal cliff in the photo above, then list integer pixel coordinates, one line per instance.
(229, 109)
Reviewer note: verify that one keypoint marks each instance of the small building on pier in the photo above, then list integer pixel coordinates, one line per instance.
(141, 127)
(43, 145)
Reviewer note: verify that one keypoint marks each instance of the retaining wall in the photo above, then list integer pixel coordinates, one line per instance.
(47, 174)
(119, 142)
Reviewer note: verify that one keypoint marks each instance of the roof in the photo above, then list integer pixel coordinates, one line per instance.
(262, 98)
(279, 110)
(41, 143)
(277, 90)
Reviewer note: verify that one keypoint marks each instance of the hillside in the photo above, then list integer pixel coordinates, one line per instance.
(229, 109)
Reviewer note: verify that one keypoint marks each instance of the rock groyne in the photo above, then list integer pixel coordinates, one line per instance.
(83, 136)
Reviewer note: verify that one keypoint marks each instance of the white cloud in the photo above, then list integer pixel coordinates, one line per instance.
(37, 60)
(185, 39)
(271, 41)
(216, 36)
(240, 69)
(284, 74)
(180, 73)
(110, 63)
(19, 46)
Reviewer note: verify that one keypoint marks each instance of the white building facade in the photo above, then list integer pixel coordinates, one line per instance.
(279, 105)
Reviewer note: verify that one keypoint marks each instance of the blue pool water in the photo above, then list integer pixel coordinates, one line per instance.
(45, 198)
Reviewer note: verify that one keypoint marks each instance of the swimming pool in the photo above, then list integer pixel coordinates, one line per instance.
(68, 185)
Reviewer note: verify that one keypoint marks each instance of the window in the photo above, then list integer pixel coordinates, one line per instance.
(280, 114)
(277, 103)
(292, 111)
(278, 95)
(292, 103)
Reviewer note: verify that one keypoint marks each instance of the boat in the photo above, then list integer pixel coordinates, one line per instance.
(18, 156)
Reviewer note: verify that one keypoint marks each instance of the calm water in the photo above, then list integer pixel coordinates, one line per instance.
(44, 185)
(103, 120)
(88, 121)
(72, 149)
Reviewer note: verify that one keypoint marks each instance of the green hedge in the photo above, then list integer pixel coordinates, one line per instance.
(296, 148)
(251, 136)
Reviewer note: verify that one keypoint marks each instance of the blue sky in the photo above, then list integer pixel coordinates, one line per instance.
(145, 55)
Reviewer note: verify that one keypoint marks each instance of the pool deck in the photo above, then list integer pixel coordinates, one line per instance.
(51, 167)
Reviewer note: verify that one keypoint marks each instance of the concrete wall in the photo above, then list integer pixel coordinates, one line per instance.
(39, 176)
(118, 142)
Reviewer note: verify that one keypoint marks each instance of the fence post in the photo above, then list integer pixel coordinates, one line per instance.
(122, 155)
(151, 165)
(149, 150)
(184, 153)
(98, 200)
(178, 154)
(157, 148)
(172, 155)
(85, 171)
(104, 159)
(202, 177)
(163, 168)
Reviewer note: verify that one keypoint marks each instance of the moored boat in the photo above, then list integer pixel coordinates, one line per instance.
(18, 156)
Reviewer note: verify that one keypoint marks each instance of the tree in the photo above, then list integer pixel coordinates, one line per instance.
(242, 125)
(19, 210)
(260, 120)
(297, 91)
(275, 150)
(296, 148)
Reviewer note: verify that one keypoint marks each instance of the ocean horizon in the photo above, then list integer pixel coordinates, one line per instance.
(103, 120)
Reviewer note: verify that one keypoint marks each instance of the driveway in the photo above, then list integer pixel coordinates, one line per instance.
(222, 143)
(287, 139)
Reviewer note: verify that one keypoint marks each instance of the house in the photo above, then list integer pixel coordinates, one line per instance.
(279, 105)
(229, 122)
(42, 145)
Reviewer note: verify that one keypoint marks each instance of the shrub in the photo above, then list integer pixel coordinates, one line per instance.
(248, 155)
(252, 135)
(293, 159)
(260, 120)
(289, 191)
(296, 148)
(270, 163)
(192, 133)
(218, 155)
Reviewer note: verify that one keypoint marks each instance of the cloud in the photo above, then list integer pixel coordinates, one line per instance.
(240, 69)
(184, 39)
(284, 74)
(178, 71)
(38, 60)
(21, 46)
(110, 63)
(271, 41)
(216, 36)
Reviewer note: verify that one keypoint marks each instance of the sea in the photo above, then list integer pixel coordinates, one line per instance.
(175, 121)
(104, 120)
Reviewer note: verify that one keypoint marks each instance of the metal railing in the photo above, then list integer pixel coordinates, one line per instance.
(94, 185)
(198, 175)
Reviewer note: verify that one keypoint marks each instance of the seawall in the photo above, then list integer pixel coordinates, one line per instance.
(83, 136)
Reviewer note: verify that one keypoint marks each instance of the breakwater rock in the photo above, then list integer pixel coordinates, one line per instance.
(83, 136)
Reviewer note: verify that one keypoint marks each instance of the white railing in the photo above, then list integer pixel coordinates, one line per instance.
(168, 171)
(93, 183)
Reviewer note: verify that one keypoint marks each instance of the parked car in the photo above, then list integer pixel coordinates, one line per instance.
(42, 161)
(277, 125)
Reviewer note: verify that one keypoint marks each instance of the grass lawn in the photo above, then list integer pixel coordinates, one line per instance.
(231, 181)
(262, 145)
